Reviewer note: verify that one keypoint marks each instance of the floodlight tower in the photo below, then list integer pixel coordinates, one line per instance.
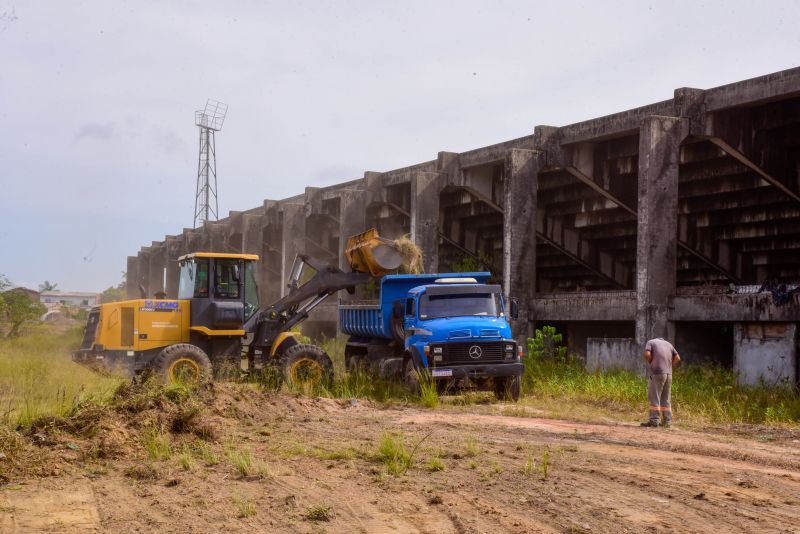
(209, 120)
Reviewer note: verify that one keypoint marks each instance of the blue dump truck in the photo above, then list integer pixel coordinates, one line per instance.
(449, 327)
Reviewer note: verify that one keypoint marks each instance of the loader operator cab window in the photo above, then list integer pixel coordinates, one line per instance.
(193, 282)
(226, 279)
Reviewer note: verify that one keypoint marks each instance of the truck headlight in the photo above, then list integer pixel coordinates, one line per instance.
(437, 350)
(509, 352)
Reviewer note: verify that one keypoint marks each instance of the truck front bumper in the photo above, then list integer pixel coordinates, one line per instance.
(488, 370)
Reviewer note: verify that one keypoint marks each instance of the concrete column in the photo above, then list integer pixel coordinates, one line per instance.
(294, 231)
(352, 219)
(132, 278)
(176, 247)
(216, 232)
(233, 232)
(519, 234)
(272, 252)
(656, 249)
(158, 262)
(252, 243)
(142, 281)
(195, 240)
(765, 352)
(425, 190)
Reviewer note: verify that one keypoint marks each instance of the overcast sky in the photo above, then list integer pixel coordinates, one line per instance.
(98, 148)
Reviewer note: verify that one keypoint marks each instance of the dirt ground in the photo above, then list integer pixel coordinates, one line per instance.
(475, 470)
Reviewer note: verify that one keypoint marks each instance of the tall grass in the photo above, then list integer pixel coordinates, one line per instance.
(703, 393)
(39, 379)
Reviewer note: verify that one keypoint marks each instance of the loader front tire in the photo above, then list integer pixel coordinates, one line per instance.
(183, 363)
(306, 364)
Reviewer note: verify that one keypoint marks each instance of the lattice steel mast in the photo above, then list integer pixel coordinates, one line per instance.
(209, 121)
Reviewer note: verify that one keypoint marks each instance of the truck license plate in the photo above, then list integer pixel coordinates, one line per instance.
(442, 372)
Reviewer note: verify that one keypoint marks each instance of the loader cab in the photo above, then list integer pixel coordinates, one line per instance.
(221, 288)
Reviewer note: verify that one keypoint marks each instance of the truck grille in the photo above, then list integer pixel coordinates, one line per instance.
(91, 329)
(493, 351)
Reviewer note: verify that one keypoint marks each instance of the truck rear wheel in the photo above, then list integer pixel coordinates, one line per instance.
(507, 388)
(184, 363)
(306, 364)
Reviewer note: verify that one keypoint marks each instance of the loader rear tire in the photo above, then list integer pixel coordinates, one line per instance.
(184, 363)
(306, 364)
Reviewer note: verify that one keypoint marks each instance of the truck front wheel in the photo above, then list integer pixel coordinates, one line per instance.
(507, 388)
(306, 364)
(411, 377)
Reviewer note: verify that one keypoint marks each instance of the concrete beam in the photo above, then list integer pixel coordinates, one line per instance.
(585, 306)
(747, 307)
(659, 154)
(494, 153)
(783, 84)
(611, 126)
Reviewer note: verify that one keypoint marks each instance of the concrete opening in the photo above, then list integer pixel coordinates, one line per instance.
(705, 342)
(391, 216)
(738, 198)
(586, 235)
(472, 223)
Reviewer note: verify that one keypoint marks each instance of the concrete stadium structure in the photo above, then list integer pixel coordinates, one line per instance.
(664, 220)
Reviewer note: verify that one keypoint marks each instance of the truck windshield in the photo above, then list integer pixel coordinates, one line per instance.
(431, 307)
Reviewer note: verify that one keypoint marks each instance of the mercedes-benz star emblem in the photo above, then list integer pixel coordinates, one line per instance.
(475, 352)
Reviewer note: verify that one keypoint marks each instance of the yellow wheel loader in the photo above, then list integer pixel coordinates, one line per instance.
(217, 320)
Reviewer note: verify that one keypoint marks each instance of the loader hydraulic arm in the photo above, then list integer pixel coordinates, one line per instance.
(301, 299)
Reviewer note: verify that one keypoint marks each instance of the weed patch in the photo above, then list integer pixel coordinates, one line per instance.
(319, 513)
(246, 507)
(157, 444)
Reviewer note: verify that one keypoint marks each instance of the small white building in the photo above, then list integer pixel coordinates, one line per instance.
(77, 299)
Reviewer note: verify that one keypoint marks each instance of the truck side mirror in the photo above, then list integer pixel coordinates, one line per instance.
(513, 308)
(397, 309)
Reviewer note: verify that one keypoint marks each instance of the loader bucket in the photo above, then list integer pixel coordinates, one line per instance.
(370, 253)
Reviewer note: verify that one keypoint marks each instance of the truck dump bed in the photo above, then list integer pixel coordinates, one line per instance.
(373, 319)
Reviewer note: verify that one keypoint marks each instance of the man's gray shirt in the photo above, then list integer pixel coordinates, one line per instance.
(662, 351)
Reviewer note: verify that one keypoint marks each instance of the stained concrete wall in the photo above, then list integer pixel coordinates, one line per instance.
(765, 352)
(604, 354)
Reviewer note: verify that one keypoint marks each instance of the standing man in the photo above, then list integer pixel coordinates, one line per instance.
(660, 355)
